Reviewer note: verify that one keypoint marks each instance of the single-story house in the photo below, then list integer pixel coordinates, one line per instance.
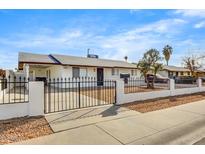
(175, 71)
(36, 66)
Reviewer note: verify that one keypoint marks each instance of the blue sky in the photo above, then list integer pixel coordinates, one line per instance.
(109, 33)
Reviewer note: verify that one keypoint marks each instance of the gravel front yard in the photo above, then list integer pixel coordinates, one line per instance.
(18, 129)
(158, 104)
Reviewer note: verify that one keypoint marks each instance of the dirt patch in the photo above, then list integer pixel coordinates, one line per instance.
(137, 89)
(101, 93)
(158, 104)
(19, 129)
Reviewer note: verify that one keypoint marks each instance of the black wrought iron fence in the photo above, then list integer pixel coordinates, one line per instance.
(185, 83)
(135, 85)
(74, 93)
(13, 90)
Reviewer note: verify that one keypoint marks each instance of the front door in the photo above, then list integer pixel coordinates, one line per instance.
(100, 76)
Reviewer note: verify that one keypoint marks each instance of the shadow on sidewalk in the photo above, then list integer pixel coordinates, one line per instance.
(112, 111)
(103, 111)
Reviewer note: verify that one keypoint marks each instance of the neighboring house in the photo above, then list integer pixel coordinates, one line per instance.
(39, 66)
(174, 71)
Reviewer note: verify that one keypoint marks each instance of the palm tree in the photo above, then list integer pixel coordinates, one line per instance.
(167, 52)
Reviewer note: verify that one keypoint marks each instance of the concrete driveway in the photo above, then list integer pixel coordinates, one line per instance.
(183, 124)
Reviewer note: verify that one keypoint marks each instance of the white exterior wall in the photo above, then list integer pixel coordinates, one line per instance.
(66, 72)
(57, 72)
(108, 73)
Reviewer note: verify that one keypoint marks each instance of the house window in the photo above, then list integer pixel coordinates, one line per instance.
(115, 71)
(188, 73)
(182, 73)
(76, 72)
(83, 72)
(133, 72)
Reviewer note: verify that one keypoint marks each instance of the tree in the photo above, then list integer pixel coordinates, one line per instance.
(156, 68)
(144, 68)
(167, 52)
(149, 63)
(191, 62)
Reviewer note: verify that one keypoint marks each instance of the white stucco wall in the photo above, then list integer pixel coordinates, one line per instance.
(66, 72)
(123, 98)
(34, 107)
(13, 110)
(108, 73)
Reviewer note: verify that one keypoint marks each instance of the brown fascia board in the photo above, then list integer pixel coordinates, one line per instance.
(174, 70)
(98, 66)
(27, 62)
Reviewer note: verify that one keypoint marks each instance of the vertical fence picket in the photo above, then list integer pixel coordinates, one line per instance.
(79, 94)
(9, 100)
(65, 92)
(69, 98)
(3, 88)
(20, 87)
(61, 90)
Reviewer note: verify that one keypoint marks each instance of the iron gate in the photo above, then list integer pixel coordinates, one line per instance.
(74, 93)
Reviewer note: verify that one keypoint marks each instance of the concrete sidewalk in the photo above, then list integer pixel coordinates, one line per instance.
(183, 124)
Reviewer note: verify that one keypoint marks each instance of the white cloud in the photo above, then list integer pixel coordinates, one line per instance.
(200, 24)
(132, 43)
(162, 26)
(133, 11)
(191, 13)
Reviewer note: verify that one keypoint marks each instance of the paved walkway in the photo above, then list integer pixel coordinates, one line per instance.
(115, 125)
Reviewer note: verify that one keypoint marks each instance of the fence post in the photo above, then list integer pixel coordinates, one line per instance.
(199, 83)
(119, 91)
(36, 98)
(79, 93)
(171, 86)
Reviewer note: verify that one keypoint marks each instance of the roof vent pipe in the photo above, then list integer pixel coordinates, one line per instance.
(126, 58)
